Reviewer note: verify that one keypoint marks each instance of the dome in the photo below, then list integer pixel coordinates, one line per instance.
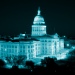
(55, 35)
(38, 19)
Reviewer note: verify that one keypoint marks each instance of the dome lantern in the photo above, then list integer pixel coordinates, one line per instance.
(39, 11)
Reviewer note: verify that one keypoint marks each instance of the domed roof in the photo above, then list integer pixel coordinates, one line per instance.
(38, 19)
(55, 35)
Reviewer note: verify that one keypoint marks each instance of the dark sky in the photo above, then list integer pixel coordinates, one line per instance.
(17, 16)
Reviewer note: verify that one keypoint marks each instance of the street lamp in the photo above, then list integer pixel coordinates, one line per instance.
(68, 45)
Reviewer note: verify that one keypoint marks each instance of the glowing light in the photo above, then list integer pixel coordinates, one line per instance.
(73, 47)
(38, 11)
(64, 36)
(61, 56)
(67, 44)
(5, 49)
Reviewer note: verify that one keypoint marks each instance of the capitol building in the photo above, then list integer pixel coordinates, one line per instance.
(39, 43)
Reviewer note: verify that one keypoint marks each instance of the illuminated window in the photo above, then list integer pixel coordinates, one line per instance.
(44, 28)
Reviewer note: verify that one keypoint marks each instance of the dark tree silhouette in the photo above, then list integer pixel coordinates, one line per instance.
(30, 65)
(21, 59)
(16, 60)
(15, 67)
(2, 63)
(49, 63)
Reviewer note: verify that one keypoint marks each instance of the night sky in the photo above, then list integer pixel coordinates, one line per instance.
(17, 16)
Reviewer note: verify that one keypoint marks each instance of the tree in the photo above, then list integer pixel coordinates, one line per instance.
(16, 60)
(30, 65)
(49, 63)
(71, 56)
(21, 59)
(2, 63)
(14, 67)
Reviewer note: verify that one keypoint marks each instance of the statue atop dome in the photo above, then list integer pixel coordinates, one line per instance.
(39, 11)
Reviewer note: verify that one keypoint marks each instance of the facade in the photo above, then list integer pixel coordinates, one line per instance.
(40, 43)
(17, 47)
(50, 44)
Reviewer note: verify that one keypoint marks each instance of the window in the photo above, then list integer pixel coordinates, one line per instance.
(44, 28)
(15, 50)
(12, 51)
(53, 41)
(49, 40)
(45, 44)
(2, 49)
(43, 47)
(9, 50)
(36, 29)
(33, 29)
(12, 46)
(32, 46)
(36, 48)
(28, 51)
(31, 55)
(46, 51)
(36, 44)
(28, 46)
(15, 46)
(23, 50)
(1, 54)
(20, 46)
(42, 44)
(45, 40)
(23, 46)
(1, 45)
(9, 46)
(31, 50)
(42, 40)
